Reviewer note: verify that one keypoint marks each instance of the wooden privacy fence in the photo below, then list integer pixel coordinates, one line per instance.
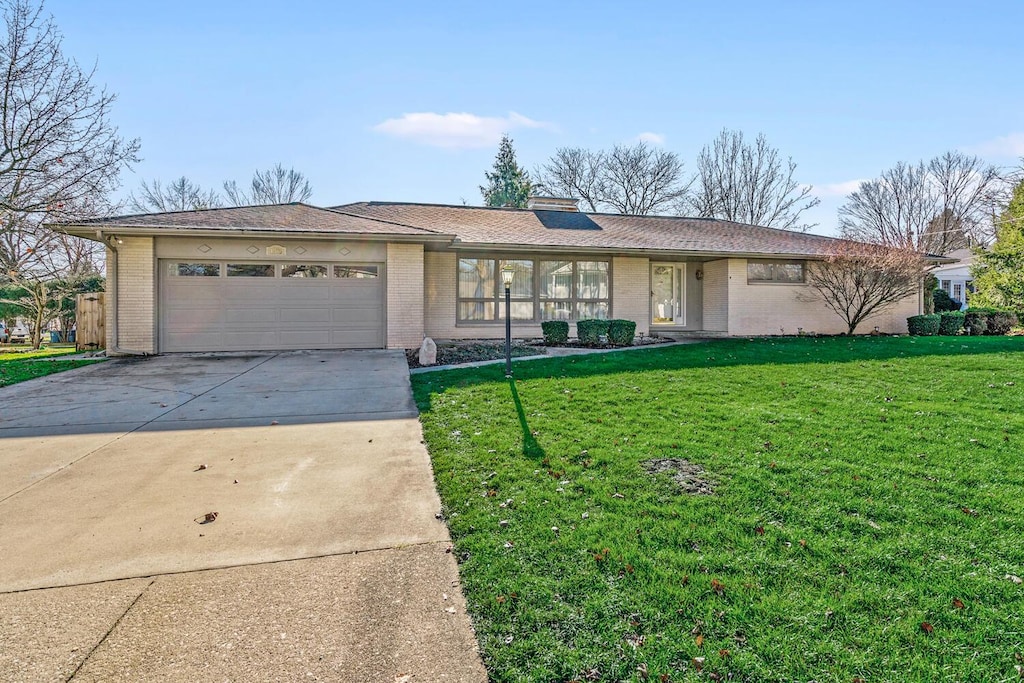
(90, 322)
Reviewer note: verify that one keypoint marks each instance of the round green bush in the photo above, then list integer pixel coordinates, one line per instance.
(923, 325)
(621, 332)
(589, 332)
(951, 322)
(555, 331)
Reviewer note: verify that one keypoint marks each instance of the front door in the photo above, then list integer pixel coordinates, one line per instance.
(667, 294)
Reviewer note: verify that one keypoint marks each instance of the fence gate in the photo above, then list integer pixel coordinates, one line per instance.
(90, 322)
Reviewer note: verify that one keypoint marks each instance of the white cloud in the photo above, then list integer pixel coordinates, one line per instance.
(456, 130)
(652, 138)
(1011, 145)
(840, 189)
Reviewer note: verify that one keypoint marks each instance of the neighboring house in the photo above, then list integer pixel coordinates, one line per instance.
(381, 274)
(955, 278)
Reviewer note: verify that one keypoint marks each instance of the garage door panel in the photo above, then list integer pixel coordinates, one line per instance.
(269, 313)
(305, 315)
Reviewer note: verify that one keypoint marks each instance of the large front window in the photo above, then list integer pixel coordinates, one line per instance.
(550, 289)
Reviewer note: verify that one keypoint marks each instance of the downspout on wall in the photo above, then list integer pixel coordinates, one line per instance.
(112, 276)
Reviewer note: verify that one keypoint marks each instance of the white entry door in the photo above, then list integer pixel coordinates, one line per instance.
(668, 294)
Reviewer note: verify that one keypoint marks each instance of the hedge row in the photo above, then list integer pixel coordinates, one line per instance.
(590, 332)
(975, 321)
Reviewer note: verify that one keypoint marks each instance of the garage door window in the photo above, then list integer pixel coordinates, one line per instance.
(304, 270)
(194, 269)
(355, 271)
(250, 270)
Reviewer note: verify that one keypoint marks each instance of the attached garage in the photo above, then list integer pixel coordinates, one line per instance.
(237, 305)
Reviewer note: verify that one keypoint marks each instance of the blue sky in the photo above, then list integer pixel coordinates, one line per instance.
(365, 98)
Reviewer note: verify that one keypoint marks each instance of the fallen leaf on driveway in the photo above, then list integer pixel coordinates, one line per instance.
(207, 518)
(449, 610)
(201, 467)
(403, 678)
(273, 422)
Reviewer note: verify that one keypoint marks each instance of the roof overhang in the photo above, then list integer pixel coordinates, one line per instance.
(98, 233)
(625, 251)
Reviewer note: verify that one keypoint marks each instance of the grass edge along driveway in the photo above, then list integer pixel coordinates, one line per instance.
(19, 366)
(866, 522)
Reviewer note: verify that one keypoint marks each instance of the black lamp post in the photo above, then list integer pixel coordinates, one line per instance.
(507, 274)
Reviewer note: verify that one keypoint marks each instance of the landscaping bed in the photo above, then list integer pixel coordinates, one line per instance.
(471, 351)
(827, 509)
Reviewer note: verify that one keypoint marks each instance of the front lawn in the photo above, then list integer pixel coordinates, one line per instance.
(867, 519)
(18, 366)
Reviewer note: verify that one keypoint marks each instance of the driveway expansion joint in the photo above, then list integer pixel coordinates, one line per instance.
(109, 631)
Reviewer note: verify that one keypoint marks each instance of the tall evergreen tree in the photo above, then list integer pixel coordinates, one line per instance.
(999, 271)
(508, 184)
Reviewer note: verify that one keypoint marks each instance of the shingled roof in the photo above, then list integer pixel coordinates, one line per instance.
(555, 229)
(280, 218)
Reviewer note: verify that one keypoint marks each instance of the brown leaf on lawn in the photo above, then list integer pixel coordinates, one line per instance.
(500, 599)
(1014, 578)
(700, 640)
(698, 663)
(685, 580)
(723, 653)
(958, 603)
(207, 518)
(927, 628)
(969, 512)
(718, 586)
(1020, 671)
(772, 464)
(641, 670)
(803, 543)
(759, 530)
(664, 678)
(858, 679)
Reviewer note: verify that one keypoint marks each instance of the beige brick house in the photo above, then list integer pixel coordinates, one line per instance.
(385, 275)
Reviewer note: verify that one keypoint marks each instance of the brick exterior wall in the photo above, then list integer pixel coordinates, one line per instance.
(631, 291)
(716, 296)
(765, 309)
(405, 295)
(136, 292)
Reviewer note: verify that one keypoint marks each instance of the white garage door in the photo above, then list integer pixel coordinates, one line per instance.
(248, 306)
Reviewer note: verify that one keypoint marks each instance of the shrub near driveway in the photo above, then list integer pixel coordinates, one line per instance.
(865, 522)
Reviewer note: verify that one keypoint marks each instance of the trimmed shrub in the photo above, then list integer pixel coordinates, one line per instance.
(976, 321)
(944, 302)
(621, 332)
(951, 322)
(589, 332)
(1001, 322)
(555, 331)
(923, 325)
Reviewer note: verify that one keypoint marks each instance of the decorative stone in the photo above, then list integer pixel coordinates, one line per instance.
(344, 251)
(253, 249)
(428, 352)
(204, 248)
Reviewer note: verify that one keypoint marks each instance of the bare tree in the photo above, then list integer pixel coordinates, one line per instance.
(932, 207)
(276, 185)
(858, 280)
(751, 184)
(630, 179)
(59, 151)
(178, 195)
(574, 172)
(60, 156)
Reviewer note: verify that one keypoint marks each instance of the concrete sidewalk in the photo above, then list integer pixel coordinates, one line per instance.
(325, 562)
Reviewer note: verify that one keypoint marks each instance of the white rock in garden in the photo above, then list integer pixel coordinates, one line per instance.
(428, 352)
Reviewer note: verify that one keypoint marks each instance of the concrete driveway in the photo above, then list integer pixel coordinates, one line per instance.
(325, 561)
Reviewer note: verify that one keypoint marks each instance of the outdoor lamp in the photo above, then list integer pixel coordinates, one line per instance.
(507, 275)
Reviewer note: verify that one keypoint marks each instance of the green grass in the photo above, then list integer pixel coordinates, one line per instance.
(862, 485)
(18, 366)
